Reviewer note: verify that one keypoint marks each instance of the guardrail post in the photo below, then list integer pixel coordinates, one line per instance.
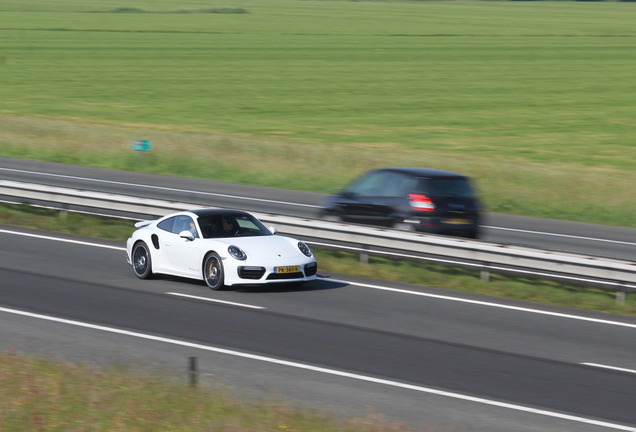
(621, 296)
(193, 372)
(63, 213)
(484, 274)
(364, 256)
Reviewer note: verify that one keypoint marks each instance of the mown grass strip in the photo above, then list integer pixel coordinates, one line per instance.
(55, 396)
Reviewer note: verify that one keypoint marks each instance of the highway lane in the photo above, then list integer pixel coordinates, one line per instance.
(597, 240)
(468, 345)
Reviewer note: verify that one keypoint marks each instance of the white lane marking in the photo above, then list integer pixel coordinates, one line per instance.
(335, 372)
(610, 367)
(215, 300)
(83, 243)
(378, 287)
(162, 188)
(561, 235)
(489, 304)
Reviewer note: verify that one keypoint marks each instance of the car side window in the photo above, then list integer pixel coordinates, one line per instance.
(177, 224)
(408, 185)
(369, 185)
(397, 185)
(167, 225)
(184, 223)
(421, 187)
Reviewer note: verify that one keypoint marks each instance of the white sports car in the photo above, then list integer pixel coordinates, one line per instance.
(222, 247)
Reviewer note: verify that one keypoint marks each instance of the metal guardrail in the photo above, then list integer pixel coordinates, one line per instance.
(487, 257)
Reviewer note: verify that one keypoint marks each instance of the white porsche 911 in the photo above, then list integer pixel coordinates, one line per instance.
(222, 247)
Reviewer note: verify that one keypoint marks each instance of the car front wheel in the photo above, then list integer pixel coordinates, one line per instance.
(213, 271)
(403, 226)
(141, 261)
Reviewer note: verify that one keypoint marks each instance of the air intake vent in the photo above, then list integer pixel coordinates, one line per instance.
(251, 272)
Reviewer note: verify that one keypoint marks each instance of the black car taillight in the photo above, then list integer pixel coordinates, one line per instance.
(421, 202)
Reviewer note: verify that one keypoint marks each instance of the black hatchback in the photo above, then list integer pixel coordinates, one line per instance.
(421, 199)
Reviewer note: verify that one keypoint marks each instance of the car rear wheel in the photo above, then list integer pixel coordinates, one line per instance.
(473, 234)
(331, 217)
(213, 271)
(141, 261)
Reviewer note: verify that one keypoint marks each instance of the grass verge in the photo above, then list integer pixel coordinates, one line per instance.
(54, 396)
(412, 272)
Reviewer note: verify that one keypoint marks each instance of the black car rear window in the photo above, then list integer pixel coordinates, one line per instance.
(451, 187)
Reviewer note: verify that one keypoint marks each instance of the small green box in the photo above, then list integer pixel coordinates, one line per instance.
(142, 145)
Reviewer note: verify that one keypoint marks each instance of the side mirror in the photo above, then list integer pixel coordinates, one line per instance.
(186, 235)
(273, 230)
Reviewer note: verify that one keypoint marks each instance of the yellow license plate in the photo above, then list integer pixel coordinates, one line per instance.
(453, 221)
(287, 269)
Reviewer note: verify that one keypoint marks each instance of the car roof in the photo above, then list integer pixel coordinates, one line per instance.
(422, 172)
(217, 212)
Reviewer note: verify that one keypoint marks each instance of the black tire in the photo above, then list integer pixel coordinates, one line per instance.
(473, 234)
(213, 271)
(403, 226)
(331, 217)
(141, 261)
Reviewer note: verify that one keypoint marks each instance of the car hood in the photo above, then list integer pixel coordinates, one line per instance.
(266, 247)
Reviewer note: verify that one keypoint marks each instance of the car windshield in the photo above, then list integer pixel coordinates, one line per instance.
(456, 187)
(231, 225)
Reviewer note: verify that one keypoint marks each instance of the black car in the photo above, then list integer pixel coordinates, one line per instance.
(421, 199)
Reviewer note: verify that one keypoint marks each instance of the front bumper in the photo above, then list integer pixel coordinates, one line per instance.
(255, 274)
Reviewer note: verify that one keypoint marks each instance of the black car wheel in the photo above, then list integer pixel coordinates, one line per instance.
(331, 217)
(403, 226)
(141, 261)
(472, 234)
(213, 271)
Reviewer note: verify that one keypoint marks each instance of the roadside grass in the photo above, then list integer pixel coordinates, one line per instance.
(550, 190)
(54, 396)
(532, 99)
(469, 281)
(66, 222)
(412, 272)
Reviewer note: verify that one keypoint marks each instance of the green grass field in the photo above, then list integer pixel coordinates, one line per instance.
(533, 99)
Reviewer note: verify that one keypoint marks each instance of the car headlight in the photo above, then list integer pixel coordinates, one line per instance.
(304, 249)
(237, 252)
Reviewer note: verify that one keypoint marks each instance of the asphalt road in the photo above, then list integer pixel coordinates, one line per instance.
(588, 239)
(418, 355)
